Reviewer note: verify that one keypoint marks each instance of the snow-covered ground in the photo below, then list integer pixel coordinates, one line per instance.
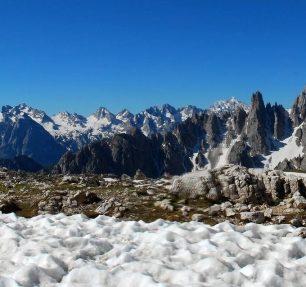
(76, 251)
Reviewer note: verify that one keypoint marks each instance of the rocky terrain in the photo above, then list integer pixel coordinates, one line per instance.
(232, 193)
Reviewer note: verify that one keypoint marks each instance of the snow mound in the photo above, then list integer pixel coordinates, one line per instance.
(56, 250)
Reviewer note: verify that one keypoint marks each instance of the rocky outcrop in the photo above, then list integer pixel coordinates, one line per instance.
(190, 134)
(94, 158)
(295, 164)
(298, 111)
(173, 156)
(215, 129)
(240, 154)
(256, 129)
(238, 185)
(279, 123)
(239, 120)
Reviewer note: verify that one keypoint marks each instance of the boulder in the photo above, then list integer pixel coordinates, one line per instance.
(253, 216)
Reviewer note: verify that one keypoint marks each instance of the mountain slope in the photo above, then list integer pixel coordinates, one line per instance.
(21, 135)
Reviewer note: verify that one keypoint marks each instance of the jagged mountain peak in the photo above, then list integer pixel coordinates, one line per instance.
(22, 110)
(125, 116)
(125, 113)
(69, 118)
(298, 111)
(257, 100)
(168, 107)
(103, 112)
(161, 110)
(189, 111)
(229, 105)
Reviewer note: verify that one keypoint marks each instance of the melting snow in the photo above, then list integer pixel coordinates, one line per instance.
(56, 250)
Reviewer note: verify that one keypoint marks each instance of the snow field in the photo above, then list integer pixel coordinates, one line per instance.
(56, 250)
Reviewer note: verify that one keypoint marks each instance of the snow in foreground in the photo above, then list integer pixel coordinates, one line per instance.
(75, 251)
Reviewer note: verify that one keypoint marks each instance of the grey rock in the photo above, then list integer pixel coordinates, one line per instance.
(185, 210)
(226, 205)
(197, 217)
(268, 213)
(240, 154)
(104, 208)
(164, 204)
(296, 222)
(299, 201)
(214, 194)
(230, 212)
(9, 206)
(253, 216)
(215, 209)
(278, 219)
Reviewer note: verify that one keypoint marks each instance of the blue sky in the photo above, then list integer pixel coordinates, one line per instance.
(78, 55)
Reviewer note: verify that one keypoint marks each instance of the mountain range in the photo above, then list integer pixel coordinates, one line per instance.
(72, 131)
(159, 140)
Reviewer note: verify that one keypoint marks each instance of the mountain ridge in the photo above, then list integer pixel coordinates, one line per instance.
(179, 140)
(261, 136)
(73, 130)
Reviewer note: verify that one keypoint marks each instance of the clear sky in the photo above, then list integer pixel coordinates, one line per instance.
(77, 55)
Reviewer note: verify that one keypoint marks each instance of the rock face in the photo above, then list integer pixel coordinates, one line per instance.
(239, 119)
(279, 122)
(240, 154)
(256, 129)
(128, 153)
(298, 111)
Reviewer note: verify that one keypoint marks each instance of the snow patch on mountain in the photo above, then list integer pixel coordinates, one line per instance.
(289, 150)
(189, 112)
(125, 116)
